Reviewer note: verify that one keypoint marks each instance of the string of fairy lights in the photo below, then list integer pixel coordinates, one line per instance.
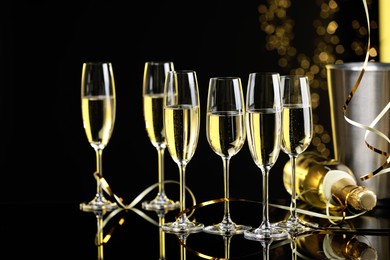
(328, 48)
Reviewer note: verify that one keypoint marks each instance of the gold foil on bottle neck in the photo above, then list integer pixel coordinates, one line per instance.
(358, 197)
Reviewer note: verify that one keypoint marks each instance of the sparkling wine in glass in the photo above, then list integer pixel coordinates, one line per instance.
(98, 104)
(225, 130)
(263, 124)
(182, 124)
(153, 98)
(297, 133)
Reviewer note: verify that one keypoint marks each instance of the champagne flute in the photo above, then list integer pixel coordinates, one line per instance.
(153, 93)
(297, 133)
(98, 103)
(182, 124)
(263, 124)
(225, 129)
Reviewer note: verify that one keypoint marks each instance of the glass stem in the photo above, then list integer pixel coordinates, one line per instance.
(99, 235)
(227, 240)
(293, 207)
(182, 190)
(293, 249)
(265, 223)
(161, 220)
(161, 189)
(266, 246)
(183, 249)
(99, 168)
(226, 168)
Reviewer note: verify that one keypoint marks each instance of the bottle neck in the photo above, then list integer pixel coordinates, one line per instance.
(323, 183)
(341, 189)
(350, 194)
(333, 184)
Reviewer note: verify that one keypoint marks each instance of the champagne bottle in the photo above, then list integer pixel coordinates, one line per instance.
(320, 181)
(336, 246)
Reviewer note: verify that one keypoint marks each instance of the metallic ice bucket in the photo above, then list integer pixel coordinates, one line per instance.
(371, 97)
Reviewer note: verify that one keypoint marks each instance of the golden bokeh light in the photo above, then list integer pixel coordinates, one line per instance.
(328, 48)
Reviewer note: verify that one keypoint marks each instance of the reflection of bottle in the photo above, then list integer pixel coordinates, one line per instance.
(336, 246)
(320, 180)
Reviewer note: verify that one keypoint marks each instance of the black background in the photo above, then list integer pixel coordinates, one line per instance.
(46, 161)
(46, 156)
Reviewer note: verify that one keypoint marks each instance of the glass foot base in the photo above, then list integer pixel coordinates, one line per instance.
(180, 227)
(296, 226)
(98, 205)
(161, 203)
(226, 229)
(273, 233)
